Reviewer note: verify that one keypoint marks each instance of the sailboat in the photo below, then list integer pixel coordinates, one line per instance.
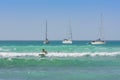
(46, 41)
(100, 35)
(69, 39)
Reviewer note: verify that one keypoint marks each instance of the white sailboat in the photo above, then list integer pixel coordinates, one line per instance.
(46, 41)
(100, 35)
(69, 39)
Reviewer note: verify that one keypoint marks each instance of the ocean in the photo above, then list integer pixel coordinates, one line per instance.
(20, 60)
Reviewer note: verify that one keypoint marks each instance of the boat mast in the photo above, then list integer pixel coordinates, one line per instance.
(70, 30)
(101, 27)
(46, 31)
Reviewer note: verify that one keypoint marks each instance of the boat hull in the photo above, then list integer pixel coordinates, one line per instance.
(67, 42)
(98, 42)
(46, 41)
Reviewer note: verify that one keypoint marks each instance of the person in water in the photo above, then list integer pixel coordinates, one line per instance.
(44, 51)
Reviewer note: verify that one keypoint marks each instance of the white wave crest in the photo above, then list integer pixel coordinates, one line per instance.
(82, 54)
(10, 54)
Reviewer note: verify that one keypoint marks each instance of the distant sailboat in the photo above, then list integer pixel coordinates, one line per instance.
(69, 39)
(100, 35)
(46, 41)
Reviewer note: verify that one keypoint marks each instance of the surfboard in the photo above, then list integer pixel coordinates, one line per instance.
(42, 55)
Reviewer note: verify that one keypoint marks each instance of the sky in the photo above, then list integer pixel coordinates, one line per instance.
(25, 19)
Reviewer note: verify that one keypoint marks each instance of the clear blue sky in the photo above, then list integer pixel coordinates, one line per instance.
(25, 19)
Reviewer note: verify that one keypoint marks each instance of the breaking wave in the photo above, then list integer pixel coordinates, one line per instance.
(58, 54)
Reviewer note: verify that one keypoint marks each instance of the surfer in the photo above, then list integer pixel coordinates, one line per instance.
(44, 51)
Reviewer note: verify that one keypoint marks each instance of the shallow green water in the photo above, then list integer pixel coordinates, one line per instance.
(19, 60)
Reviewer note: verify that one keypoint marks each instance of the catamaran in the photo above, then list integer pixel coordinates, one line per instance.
(100, 35)
(46, 41)
(69, 39)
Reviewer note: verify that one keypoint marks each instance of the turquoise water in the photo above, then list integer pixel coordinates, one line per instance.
(20, 60)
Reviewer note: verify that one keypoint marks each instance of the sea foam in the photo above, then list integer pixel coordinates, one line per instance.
(55, 54)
